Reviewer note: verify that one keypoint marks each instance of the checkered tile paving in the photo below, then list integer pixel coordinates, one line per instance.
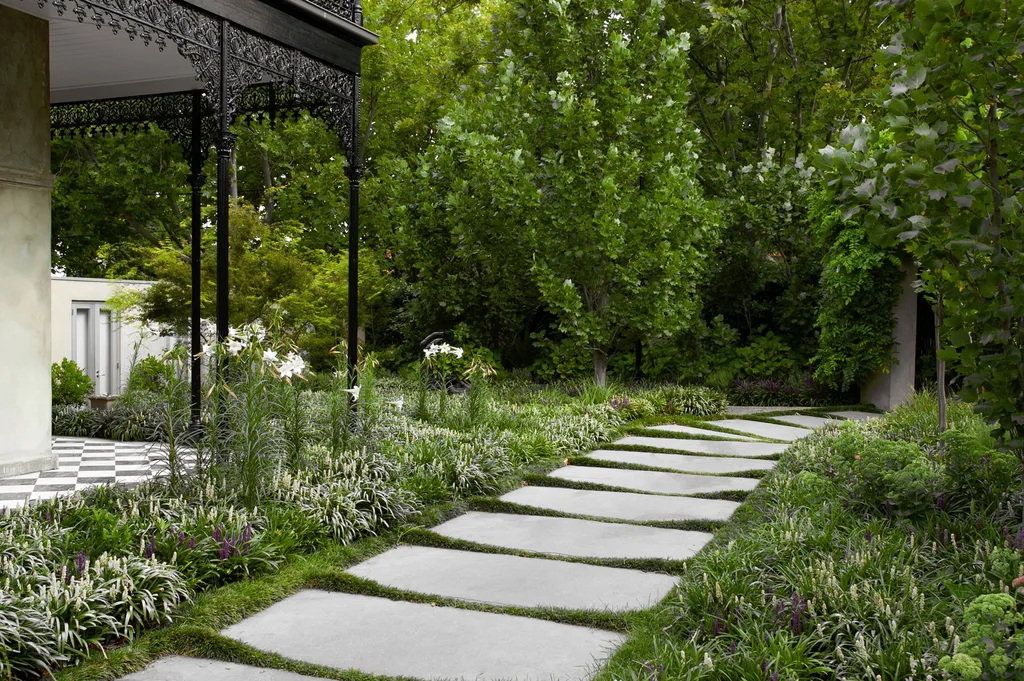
(83, 463)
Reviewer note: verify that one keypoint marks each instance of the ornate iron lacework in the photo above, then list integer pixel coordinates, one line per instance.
(253, 60)
(170, 112)
(346, 9)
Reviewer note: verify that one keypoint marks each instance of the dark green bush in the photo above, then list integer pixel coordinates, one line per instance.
(975, 471)
(70, 384)
(150, 374)
(890, 477)
(73, 420)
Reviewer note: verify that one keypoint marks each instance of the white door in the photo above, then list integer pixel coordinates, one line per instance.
(94, 345)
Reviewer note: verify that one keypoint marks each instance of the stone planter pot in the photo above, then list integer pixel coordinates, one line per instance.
(101, 402)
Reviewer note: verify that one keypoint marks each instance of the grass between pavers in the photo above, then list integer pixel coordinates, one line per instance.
(601, 463)
(545, 481)
(421, 537)
(489, 505)
(659, 450)
(643, 427)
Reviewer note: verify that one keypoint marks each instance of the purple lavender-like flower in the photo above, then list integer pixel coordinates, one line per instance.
(225, 550)
(868, 536)
(192, 542)
(80, 560)
(1018, 540)
(150, 547)
(774, 677)
(940, 503)
(247, 533)
(732, 648)
(218, 533)
(182, 538)
(49, 518)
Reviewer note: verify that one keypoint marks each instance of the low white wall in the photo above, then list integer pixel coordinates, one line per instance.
(65, 291)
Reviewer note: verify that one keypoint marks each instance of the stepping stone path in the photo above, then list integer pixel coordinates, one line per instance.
(762, 429)
(516, 561)
(690, 430)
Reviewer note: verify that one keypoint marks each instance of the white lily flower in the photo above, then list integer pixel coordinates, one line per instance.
(269, 356)
(235, 346)
(209, 349)
(397, 404)
(292, 365)
(354, 392)
(232, 332)
(457, 352)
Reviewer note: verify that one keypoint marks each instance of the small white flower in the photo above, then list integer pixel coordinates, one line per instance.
(232, 332)
(257, 332)
(411, 36)
(209, 349)
(457, 352)
(354, 392)
(397, 404)
(235, 346)
(269, 356)
(292, 365)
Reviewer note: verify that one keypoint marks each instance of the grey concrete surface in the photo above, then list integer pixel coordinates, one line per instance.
(573, 537)
(736, 410)
(621, 505)
(690, 430)
(813, 422)
(654, 481)
(513, 580)
(175, 668)
(724, 448)
(775, 432)
(687, 463)
(855, 415)
(394, 638)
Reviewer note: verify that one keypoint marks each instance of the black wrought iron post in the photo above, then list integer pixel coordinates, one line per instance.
(196, 179)
(355, 174)
(225, 145)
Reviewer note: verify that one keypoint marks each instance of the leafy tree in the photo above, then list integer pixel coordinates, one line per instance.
(944, 176)
(578, 161)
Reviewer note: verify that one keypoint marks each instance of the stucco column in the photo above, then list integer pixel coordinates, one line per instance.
(890, 390)
(25, 185)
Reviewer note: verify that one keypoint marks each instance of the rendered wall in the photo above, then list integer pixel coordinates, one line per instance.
(890, 390)
(25, 185)
(135, 342)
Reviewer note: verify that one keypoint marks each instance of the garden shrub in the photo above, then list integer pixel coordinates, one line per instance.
(73, 420)
(766, 356)
(975, 471)
(694, 400)
(890, 477)
(994, 647)
(794, 391)
(69, 383)
(150, 374)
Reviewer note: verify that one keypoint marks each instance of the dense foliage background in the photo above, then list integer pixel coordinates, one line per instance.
(695, 192)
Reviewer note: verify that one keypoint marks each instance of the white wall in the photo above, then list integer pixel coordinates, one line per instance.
(65, 291)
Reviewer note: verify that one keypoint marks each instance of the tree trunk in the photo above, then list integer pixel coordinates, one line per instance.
(600, 368)
(940, 365)
(762, 123)
(639, 366)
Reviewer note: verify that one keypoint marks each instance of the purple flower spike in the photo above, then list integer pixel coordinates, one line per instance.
(247, 533)
(225, 550)
(868, 536)
(774, 677)
(80, 561)
(191, 542)
(218, 533)
(150, 547)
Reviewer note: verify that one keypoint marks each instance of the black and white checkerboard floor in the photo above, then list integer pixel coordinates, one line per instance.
(82, 463)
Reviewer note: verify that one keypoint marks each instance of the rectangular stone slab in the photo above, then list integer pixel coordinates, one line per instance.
(805, 421)
(175, 668)
(724, 448)
(395, 638)
(573, 537)
(855, 415)
(762, 429)
(621, 505)
(688, 463)
(654, 481)
(690, 430)
(512, 580)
